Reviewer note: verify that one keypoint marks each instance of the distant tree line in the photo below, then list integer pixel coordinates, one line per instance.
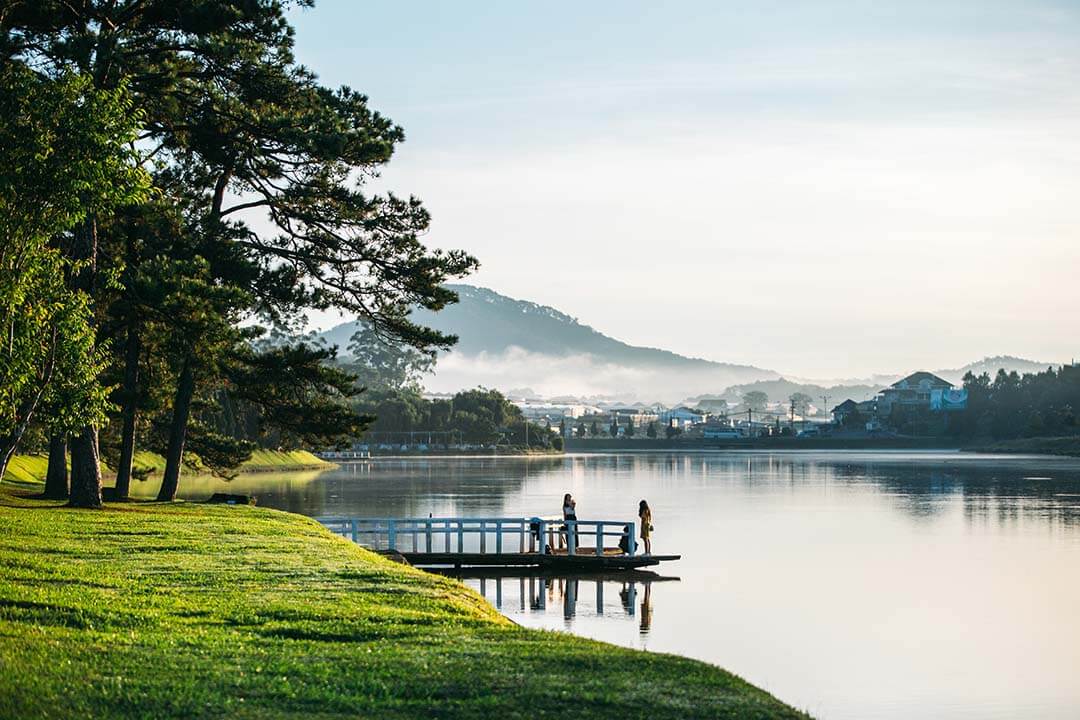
(1011, 405)
(392, 402)
(475, 417)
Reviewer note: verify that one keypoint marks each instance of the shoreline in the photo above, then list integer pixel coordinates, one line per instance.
(1060, 447)
(264, 613)
(30, 469)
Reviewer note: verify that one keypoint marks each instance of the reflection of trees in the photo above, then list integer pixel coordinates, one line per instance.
(409, 487)
(991, 490)
(997, 490)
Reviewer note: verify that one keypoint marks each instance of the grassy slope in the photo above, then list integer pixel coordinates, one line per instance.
(194, 611)
(27, 469)
(31, 468)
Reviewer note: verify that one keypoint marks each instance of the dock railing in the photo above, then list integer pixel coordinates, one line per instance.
(459, 535)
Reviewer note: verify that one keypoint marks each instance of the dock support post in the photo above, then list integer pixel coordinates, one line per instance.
(460, 536)
(571, 537)
(483, 537)
(498, 537)
(355, 533)
(391, 535)
(599, 539)
(427, 536)
(543, 537)
(631, 539)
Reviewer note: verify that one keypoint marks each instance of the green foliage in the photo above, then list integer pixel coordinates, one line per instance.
(756, 400)
(479, 416)
(1014, 406)
(245, 612)
(63, 153)
(801, 402)
(380, 363)
(260, 209)
(289, 395)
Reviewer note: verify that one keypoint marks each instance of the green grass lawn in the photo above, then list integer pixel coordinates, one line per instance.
(192, 611)
(31, 468)
(26, 469)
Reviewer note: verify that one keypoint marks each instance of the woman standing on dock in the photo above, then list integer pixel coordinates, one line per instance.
(646, 525)
(569, 512)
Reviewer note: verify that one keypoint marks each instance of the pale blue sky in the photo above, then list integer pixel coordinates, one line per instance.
(824, 188)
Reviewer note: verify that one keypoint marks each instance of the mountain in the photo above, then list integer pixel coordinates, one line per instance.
(859, 390)
(508, 343)
(514, 345)
(991, 365)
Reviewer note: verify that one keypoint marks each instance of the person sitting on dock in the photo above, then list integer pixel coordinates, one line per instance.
(569, 512)
(646, 525)
(624, 541)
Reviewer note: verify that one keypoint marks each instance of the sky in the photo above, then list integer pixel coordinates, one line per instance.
(828, 189)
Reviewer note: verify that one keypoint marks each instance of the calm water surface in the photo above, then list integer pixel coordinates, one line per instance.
(851, 585)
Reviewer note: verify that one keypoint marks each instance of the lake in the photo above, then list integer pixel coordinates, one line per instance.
(849, 584)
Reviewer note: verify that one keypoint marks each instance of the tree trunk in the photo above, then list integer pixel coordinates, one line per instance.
(85, 469)
(56, 478)
(185, 389)
(85, 462)
(7, 449)
(128, 413)
(10, 442)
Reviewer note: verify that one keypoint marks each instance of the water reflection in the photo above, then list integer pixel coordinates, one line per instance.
(583, 598)
(850, 584)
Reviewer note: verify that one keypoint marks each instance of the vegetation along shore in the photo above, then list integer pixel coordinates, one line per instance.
(249, 612)
(33, 468)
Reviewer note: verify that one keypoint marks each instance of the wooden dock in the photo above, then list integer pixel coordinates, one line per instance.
(548, 543)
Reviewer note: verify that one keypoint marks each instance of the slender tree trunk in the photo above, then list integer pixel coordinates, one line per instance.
(7, 449)
(128, 413)
(185, 389)
(85, 462)
(85, 469)
(56, 478)
(10, 442)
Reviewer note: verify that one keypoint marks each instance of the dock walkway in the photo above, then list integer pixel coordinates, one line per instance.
(501, 542)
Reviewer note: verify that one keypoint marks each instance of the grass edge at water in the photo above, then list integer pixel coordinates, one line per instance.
(188, 610)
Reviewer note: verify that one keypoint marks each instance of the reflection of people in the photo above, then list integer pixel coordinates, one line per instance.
(646, 610)
(569, 512)
(626, 598)
(646, 525)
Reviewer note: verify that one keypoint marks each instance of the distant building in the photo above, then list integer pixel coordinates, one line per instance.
(715, 429)
(913, 392)
(682, 417)
(845, 410)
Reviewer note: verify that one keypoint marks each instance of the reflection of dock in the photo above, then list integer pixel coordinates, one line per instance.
(533, 590)
(617, 576)
(501, 542)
